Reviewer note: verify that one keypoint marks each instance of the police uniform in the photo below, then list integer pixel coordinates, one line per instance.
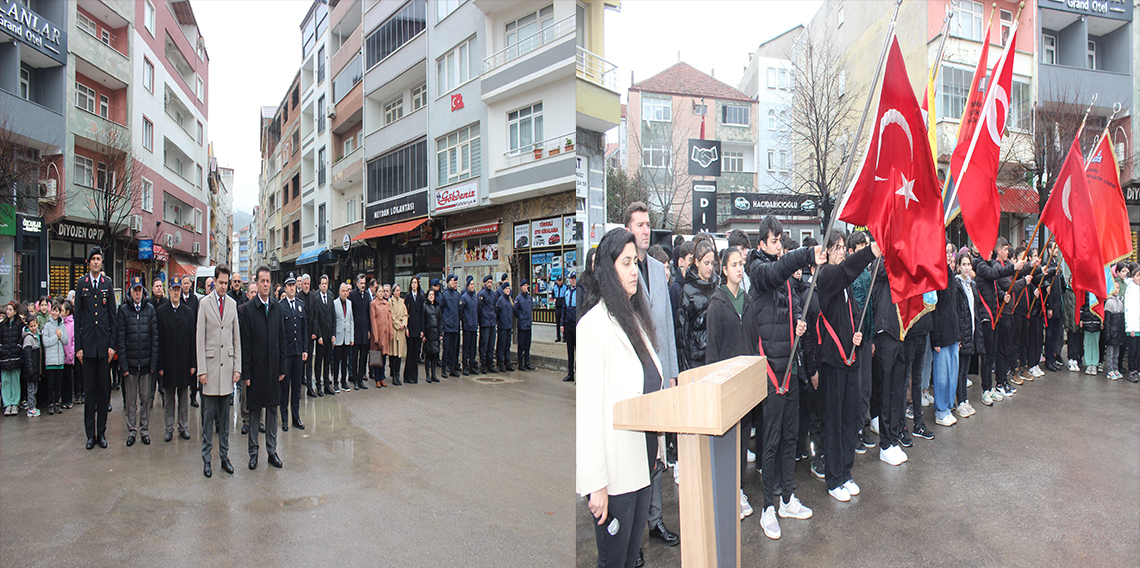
(570, 323)
(487, 320)
(559, 290)
(94, 334)
(469, 319)
(296, 344)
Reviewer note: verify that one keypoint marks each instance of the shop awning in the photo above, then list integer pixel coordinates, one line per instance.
(310, 256)
(178, 269)
(464, 232)
(160, 254)
(393, 229)
(1018, 198)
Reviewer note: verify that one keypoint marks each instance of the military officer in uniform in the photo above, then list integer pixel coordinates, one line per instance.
(296, 353)
(94, 333)
(487, 319)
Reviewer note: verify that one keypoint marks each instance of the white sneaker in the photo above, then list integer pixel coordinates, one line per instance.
(1036, 371)
(888, 456)
(1090, 370)
(676, 476)
(851, 487)
(753, 434)
(927, 399)
(900, 453)
(745, 508)
(969, 383)
(997, 395)
(962, 410)
(751, 457)
(875, 425)
(769, 523)
(1073, 365)
(988, 397)
(840, 493)
(947, 420)
(970, 408)
(793, 509)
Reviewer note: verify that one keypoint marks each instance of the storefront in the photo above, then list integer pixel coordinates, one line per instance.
(548, 248)
(1132, 202)
(418, 252)
(7, 252)
(32, 248)
(473, 251)
(70, 243)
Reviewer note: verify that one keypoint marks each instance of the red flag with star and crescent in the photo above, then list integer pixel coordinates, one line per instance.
(897, 196)
(1070, 216)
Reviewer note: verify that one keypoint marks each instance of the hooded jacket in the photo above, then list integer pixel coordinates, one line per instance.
(775, 305)
(970, 322)
(690, 324)
(946, 330)
(53, 345)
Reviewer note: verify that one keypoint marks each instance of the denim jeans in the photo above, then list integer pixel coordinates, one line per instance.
(945, 375)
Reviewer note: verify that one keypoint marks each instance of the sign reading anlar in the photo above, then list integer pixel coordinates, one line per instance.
(19, 21)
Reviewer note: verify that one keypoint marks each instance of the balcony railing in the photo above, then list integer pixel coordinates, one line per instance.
(545, 36)
(540, 150)
(591, 67)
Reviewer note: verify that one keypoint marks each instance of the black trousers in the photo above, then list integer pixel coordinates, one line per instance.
(312, 344)
(559, 303)
(986, 364)
(1076, 350)
(431, 361)
(323, 363)
(97, 390)
(914, 351)
(1054, 331)
(864, 362)
(503, 347)
(811, 420)
(412, 366)
(781, 430)
(840, 422)
(291, 388)
(470, 350)
(360, 361)
(631, 510)
(963, 368)
(892, 372)
(67, 385)
(1133, 344)
(487, 345)
(571, 337)
(1021, 341)
(54, 379)
(524, 347)
(1003, 342)
(450, 353)
(341, 363)
(393, 367)
(1035, 341)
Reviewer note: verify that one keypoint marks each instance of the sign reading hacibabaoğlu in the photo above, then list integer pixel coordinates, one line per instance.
(29, 27)
(399, 209)
(546, 232)
(457, 197)
(704, 157)
(778, 204)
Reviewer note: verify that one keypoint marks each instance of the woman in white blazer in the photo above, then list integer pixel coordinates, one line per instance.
(613, 465)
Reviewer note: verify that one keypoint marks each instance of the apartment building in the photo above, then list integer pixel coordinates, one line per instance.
(240, 253)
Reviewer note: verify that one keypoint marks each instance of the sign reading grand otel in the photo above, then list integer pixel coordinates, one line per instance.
(29, 27)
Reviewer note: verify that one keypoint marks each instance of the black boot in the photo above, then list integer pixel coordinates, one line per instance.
(528, 365)
(396, 381)
(509, 367)
(311, 393)
(491, 368)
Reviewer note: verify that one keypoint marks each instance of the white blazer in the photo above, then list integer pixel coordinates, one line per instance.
(609, 458)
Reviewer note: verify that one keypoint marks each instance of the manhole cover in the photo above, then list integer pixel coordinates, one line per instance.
(495, 380)
(490, 380)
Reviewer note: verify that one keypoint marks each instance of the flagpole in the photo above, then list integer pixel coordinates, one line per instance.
(847, 174)
(1017, 274)
(866, 302)
(1051, 235)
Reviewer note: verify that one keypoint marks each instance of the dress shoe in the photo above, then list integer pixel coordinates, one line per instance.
(364, 387)
(206, 469)
(253, 461)
(130, 441)
(466, 372)
(320, 392)
(90, 443)
(244, 429)
(568, 379)
(329, 391)
(396, 382)
(298, 425)
(168, 436)
(145, 440)
(529, 367)
(640, 560)
(311, 393)
(433, 380)
(227, 466)
(274, 461)
(103, 442)
(491, 369)
(194, 402)
(510, 368)
(662, 533)
(455, 373)
(186, 435)
(261, 428)
(284, 425)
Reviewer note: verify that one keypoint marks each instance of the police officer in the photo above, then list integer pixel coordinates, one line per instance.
(487, 319)
(505, 315)
(94, 334)
(559, 293)
(449, 313)
(469, 317)
(524, 310)
(296, 353)
(570, 324)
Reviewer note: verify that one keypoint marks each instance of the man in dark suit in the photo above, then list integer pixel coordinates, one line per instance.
(262, 329)
(361, 298)
(177, 359)
(94, 336)
(191, 300)
(157, 293)
(296, 343)
(305, 293)
(323, 326)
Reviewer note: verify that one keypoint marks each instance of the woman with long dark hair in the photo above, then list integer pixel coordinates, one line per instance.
(613, 465)
(700, 283)
(431, 335)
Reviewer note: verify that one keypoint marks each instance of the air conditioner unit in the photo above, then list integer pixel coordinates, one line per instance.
(197, 248)
(48, 190)
(136, 223)
(168, 241)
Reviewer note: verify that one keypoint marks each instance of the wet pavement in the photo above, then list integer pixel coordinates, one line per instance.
(1050, 477)
(459, 473)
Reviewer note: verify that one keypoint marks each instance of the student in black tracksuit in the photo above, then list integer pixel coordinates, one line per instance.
(840, 375)
(890, 369)
(993, 279)
(914, 355)
(1054, 311)
(811, 400)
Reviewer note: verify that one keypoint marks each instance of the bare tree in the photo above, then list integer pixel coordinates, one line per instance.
(21, 168)
(662, 147)
(117, 193)
(820, 117)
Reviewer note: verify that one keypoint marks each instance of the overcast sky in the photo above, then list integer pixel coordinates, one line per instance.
(255, 50)
(711, 35)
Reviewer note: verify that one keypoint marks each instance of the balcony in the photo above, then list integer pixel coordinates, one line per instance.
(95, 53)
(591, 67)
(349, 49)
(541, 58)
(348, 170)
(1074, 87)
(532, 171)
(597, 102)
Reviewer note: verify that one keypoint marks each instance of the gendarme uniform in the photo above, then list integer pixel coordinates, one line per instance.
(296, 344)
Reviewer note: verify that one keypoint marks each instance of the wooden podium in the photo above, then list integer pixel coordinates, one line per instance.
(704, 409)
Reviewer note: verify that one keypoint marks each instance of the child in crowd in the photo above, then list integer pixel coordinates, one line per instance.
(72, 386)
(54, 339)
(31, 361)
(1091, 325)
(10, 328)
(1132, 321)
(971, 318)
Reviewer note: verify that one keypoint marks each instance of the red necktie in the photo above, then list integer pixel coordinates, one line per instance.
(221, 307)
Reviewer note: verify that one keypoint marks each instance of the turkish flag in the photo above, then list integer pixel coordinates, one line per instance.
(1069, 215)
(970, 114)
(976, 184)
(1103, 175)
(897, 197)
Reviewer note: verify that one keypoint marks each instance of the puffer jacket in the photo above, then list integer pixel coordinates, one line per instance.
(1114, 321)
(690, 321)
(726, 338)
(11, 343)
(53, 346)
(69, 348)
(31, 356)
(969, 323)
(770, 280)
(1090, 322)
(810, 343)
(992, 280)
(137, 338)
(1131, 306)
(432, 329)
(1072, 324)
(946, 330)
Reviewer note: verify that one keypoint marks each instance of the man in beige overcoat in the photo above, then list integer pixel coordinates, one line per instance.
(399, 343)
(219, 366)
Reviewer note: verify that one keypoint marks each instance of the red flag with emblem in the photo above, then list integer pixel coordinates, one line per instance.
(897, 197)
(1070, 216)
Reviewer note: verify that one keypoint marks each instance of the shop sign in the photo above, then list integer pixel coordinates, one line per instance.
(78, 232)
(1132, 195)
(7, 219)
(403, 260)
(571, 230)
(581, 180)
(31, 28)
(399, 209)
(344, 243)
(546, 232)
(778, 204)
(32, 225)
(457, 197)
(704, 206)
(146, 249)
(704, 157)
(522, 236)
(486, 229)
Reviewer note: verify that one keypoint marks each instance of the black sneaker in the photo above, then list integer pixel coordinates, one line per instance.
(905, 440)
(860, 449)
(923, 433)
(817, 467)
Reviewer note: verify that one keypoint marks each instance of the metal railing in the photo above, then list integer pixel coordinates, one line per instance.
(544, 147)
(545, 36)
(591, 67)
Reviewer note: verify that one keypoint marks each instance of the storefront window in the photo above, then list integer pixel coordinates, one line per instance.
(475, 256)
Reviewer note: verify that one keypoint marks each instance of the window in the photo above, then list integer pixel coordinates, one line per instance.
(85, 97)
(285, 195)
(86, 24)
(399, 172)
(84, 171)
(351, 209)
(657, 109)
(771, 77)
(201, 91)
(525, 127)
(1020, 108)
(104, 179)
(296, 185)
(1049, 42)
(456, 67)
(321, 166)
(148, 134)
(201, 133)
(321, 219)
(1092, 54)
(458, 155)
(149, 15)
(148, 75)
(178, 166)
(320, 64)
(581, 26)
(296, 231)
(783, 160)
(321, 114)
(349, 145)
(199, 176)
(419, 97)
(25, 84)
(444, 8)
(523, 34)
(733, 161)
(105, 36)
(784, 79)
(732, 114)
(352, 74)
(104, 106)
(771, 160)
(771, 119)
(394, 110)
(147, 195)
(839, 17)
(296, 141)
(396, 31)
(700, 109)
(198, 220)
(969, 22)
(1006, 25)
(842, 82)
(783, 120)
(955, 85)
(655, 157)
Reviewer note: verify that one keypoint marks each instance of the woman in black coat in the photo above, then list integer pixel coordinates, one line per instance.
(690, 324)
(11, 328)
(972, 316)
(177, 330)
(432, 333)
(414, 300)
